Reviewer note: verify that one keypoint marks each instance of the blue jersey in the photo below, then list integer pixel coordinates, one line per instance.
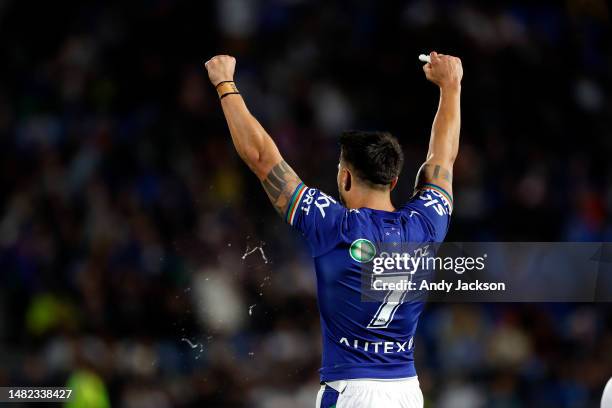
(364, 339)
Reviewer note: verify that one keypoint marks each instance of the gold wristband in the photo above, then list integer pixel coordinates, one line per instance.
(225, 88)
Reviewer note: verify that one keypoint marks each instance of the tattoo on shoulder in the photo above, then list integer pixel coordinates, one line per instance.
(279, 185)
(431, 173)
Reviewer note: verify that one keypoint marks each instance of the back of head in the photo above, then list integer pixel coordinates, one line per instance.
(375, 157)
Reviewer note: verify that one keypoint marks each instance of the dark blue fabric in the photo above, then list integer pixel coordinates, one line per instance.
(330, 397)
(352, 346)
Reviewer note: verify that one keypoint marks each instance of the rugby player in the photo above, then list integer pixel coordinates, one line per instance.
(368, 347)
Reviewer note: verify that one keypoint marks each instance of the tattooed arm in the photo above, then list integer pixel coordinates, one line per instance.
(280, 183)
(446, 72)
(253, 144)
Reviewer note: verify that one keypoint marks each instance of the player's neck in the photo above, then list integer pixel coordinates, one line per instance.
(370, 198)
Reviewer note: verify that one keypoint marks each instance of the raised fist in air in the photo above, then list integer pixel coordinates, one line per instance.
(220, 68)
(444, 70)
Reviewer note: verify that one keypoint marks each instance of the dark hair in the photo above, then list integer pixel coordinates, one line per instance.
(376, 157)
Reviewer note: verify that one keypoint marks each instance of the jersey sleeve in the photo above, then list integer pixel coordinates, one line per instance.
(317, 216)
(433, 206)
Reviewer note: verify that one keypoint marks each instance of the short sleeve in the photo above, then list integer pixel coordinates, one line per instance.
(317, 216)
(433, 205)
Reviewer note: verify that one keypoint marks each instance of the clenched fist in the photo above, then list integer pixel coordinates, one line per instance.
(220, 68)
(444, 70)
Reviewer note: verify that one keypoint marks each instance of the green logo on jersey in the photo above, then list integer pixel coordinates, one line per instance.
(362, 250)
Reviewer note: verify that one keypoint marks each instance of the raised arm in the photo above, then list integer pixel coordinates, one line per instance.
(446, 72)
(253, 144)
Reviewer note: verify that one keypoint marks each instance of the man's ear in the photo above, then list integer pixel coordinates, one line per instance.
(348, 180)
(393, 183)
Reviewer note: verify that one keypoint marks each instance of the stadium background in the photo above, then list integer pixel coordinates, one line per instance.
(125, 212)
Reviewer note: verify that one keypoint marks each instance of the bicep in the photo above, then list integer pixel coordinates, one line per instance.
(432, 201)
(280, 183)
(315, 214)
(437, 174)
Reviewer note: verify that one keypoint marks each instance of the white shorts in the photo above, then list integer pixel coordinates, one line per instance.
(400, 393)
(606, 399)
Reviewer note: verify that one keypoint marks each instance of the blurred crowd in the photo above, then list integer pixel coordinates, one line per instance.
(141, 262)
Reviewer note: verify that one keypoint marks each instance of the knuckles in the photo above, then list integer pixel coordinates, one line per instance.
(222, 58)
(219, 62)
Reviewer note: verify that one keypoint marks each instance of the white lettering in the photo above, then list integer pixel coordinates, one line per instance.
(385, 347)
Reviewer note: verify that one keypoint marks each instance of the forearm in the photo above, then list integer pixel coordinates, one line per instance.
(252, 142)
(444, 141)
